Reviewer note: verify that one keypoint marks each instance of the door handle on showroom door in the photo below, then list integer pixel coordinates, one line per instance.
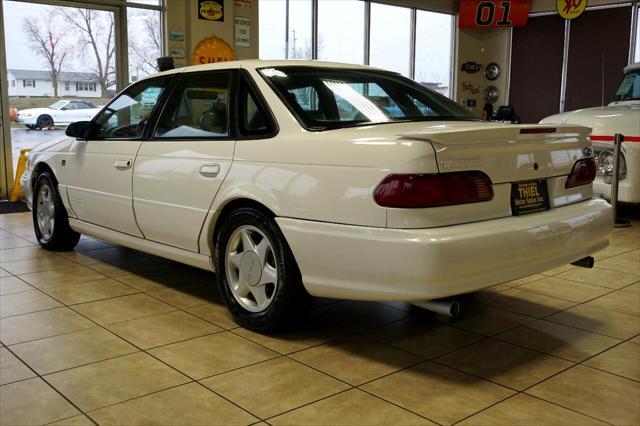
(122, 164)
(210, 170)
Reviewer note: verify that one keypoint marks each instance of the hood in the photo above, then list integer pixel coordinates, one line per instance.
(606, 120)
(34, 111)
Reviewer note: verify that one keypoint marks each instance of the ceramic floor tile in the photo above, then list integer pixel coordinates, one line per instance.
(340, 410)
(487, 320)
(506, 364)
(523, 410)
(620, 263)
(572, 291)
(438, 393)
(635, 340)
(600, 277)
(609, 398)
(80, 420)
(12, 369)
(38, 325)
(558, 270)
(26, 302)
(5, 273)
(526, 302)
(71, 294)
(423, 338)
(24, 253)
(108, 382)
(623, 360)
(10, 285)
(599, 320)
(32, 402)
(214, 354)
(68, 275)
(610, 251)
(36, 264)
(185, 297)
(265, 389)
(152, 281)
(620, 301)
(355, 359)
(71, 350)
(13, 242)
(562, 341)
(216, 313)
(523, 280)
(190, 404)
(122, 308)
(157, 330)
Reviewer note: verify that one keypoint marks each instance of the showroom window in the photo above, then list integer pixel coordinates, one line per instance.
(357, 31)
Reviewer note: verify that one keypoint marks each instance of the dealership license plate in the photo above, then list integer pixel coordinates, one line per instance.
(529, 197)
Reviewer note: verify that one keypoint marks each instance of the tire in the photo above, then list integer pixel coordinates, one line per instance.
(263, 301)
(50, 220)
(44, 122)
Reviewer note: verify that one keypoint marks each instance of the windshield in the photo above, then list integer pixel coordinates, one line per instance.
(58, 105)
(629, 89)
(328, 98)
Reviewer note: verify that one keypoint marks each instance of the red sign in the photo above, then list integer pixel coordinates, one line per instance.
(493, 13)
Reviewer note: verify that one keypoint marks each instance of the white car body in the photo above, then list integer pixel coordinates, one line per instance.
(319, 186)
(618, 117)
(66, 112)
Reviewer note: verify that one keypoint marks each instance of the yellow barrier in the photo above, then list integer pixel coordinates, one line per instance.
(16, 192)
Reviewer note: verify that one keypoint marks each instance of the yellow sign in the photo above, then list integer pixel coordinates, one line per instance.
(570, 9)
(212, 49)
(211, 10)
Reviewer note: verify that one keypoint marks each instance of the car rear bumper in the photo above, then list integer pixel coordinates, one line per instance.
(365, 263)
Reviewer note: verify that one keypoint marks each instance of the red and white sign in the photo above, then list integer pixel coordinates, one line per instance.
(493, 13)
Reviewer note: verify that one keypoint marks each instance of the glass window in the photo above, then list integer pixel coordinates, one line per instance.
(145, 41)
(637, 55)
(434, 50)
(127, 115)
(391, 38)
(327, 98)
(254, 119)
(341, 31)
(273, 15)
(300, 29)
(199, 108)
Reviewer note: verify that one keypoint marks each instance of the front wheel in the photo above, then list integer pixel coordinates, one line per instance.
(50, 220)
(257, 275)
(44, 122)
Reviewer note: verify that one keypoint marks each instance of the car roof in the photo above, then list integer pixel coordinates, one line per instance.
(257, 63)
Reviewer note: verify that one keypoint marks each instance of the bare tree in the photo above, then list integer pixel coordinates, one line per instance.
(46, 39)
(95, 30)
(146, 44)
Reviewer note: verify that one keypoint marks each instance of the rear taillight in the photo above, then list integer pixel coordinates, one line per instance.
(582, 173)
(412, 191)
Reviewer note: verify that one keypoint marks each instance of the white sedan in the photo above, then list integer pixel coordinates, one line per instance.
(62, 112)
(297, 178)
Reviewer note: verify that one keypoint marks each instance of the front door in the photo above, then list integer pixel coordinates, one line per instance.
(180, 168)
(100, 169)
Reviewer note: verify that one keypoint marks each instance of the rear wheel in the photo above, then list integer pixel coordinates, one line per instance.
(50, 220)
(257, 275)
(44, 122)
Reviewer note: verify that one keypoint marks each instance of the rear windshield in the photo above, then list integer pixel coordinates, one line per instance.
(327, 98)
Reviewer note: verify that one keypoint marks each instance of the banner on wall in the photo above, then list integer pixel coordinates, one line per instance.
(493, 13)
(211, 10)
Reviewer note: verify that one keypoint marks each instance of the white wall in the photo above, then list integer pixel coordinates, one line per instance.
(45, 88)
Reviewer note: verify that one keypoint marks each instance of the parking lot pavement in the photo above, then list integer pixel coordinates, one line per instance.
(25, 138)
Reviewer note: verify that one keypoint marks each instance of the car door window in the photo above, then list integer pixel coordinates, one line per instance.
(199, 108)
(127, 115)
(254, 119)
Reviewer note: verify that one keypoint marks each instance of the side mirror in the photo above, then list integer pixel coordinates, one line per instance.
(80, 130)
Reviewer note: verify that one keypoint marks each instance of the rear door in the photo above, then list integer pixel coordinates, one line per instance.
(180, 168)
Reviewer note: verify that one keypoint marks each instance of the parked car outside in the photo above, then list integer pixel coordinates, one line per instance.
(62, 112)
(620, 116)
(251, 169)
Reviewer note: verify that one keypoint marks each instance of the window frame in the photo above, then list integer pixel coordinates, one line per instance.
(178, 80)
(152, 117)
(251, 87)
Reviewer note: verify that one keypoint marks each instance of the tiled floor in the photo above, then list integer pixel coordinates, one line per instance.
(112, 336)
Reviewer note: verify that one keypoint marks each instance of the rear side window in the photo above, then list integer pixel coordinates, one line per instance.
(254, 119)
(198, 108)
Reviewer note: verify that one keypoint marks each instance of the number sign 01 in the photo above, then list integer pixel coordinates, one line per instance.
(493, 13)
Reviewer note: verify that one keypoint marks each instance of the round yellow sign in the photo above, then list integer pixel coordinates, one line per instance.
(212, 49)
(570, 9)
(211, 10)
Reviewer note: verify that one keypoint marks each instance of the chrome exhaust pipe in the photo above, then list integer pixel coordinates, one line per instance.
(449, 307)
(585, 262)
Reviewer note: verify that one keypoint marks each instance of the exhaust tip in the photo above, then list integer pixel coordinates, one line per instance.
(455, 309)
(585, 262)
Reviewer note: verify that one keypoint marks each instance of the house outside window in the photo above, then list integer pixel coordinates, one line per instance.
(13, 83)
(85, 86)
(28, 83)
(66, 86)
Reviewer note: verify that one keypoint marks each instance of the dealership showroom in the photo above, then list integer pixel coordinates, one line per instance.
(319, 212)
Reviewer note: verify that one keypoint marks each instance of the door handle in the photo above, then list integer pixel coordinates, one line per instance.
(210, 170)
(122, 164)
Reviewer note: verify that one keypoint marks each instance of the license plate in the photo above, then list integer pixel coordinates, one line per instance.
(529, 197)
